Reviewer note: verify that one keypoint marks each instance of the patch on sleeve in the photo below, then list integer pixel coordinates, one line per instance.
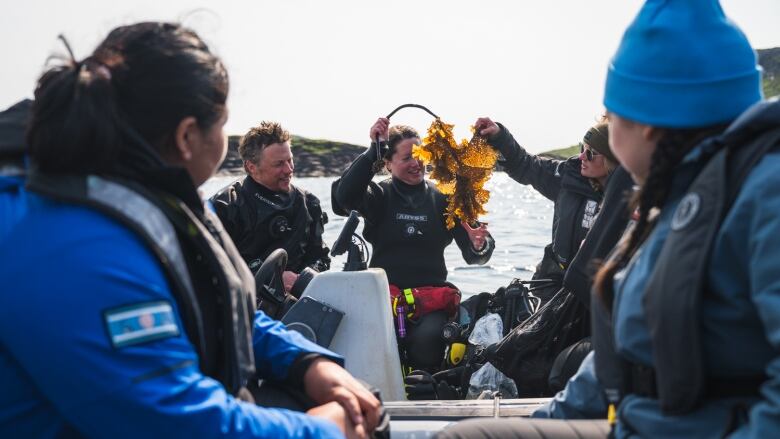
(140, 323)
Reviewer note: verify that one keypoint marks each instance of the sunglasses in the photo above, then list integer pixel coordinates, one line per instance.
(589, 153)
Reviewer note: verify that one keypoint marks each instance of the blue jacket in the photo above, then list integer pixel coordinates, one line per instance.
(63, 270)
(740, 314)
(12, 202)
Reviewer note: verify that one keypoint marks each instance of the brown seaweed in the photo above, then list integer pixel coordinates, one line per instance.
(459, 169)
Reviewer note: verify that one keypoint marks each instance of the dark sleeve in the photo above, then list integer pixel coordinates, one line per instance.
(471, 256)
(602, 237)
(539, 172)
(317, 256)
(227, 209)
(355, 190)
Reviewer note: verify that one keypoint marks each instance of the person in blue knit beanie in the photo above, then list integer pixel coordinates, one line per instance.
(685, 310)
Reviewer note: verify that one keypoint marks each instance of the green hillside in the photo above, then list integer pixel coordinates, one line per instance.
(563, 152)
(770, 62)
(313, 157)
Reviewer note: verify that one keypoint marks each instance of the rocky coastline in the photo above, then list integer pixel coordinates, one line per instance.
(313, 158)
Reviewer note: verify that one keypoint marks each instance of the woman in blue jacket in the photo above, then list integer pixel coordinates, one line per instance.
(694, 287)
(126, 309)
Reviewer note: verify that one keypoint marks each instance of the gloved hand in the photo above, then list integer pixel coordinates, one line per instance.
(420, 385)
(446, 391)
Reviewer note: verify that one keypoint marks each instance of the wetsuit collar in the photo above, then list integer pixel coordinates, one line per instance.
(412, 195)
(277, 199)
(408, 188)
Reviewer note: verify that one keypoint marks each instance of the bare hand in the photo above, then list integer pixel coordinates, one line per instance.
(478, 235)
(486, 127)
(335, 413)
(326, 381)
(381, 129)
(288, 280)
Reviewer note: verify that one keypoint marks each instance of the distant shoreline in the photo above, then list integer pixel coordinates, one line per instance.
(325, 158)
(313, 158)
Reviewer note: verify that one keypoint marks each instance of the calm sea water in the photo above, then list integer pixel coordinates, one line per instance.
(519, 219)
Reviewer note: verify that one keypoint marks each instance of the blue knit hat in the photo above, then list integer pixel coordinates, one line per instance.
(682, 64)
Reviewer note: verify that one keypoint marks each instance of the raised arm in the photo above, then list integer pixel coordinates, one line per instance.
(355, 190)
(541, 173)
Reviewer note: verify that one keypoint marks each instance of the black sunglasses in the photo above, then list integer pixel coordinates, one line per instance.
(589, 153)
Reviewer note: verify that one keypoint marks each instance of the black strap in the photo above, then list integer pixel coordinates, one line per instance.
(640, 380)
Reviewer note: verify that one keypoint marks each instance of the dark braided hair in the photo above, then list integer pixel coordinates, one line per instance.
(398, 133)
(653, 194)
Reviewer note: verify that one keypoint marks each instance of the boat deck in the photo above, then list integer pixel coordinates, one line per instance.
(461, 409)
(422, 419)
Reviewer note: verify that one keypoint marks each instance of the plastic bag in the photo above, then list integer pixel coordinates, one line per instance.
(487, 331)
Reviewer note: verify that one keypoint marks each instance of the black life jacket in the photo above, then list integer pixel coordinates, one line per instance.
(212, 286)
(674, 293)
(410, 238)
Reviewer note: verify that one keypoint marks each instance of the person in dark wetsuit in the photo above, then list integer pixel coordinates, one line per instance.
(575, 185)
(266, 211)
(404, 221)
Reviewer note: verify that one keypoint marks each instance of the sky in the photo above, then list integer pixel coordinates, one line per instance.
(328, 69)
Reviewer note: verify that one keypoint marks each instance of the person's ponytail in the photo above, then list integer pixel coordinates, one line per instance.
(116, 112)
(75, 120)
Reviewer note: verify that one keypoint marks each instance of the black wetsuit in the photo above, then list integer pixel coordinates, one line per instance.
(405, 225)
(260, 221)
(575, 209)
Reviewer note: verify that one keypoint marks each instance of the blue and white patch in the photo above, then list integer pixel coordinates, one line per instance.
(140, 323)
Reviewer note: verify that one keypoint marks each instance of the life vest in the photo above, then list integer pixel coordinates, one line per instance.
(212, 286)
(675, 290)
